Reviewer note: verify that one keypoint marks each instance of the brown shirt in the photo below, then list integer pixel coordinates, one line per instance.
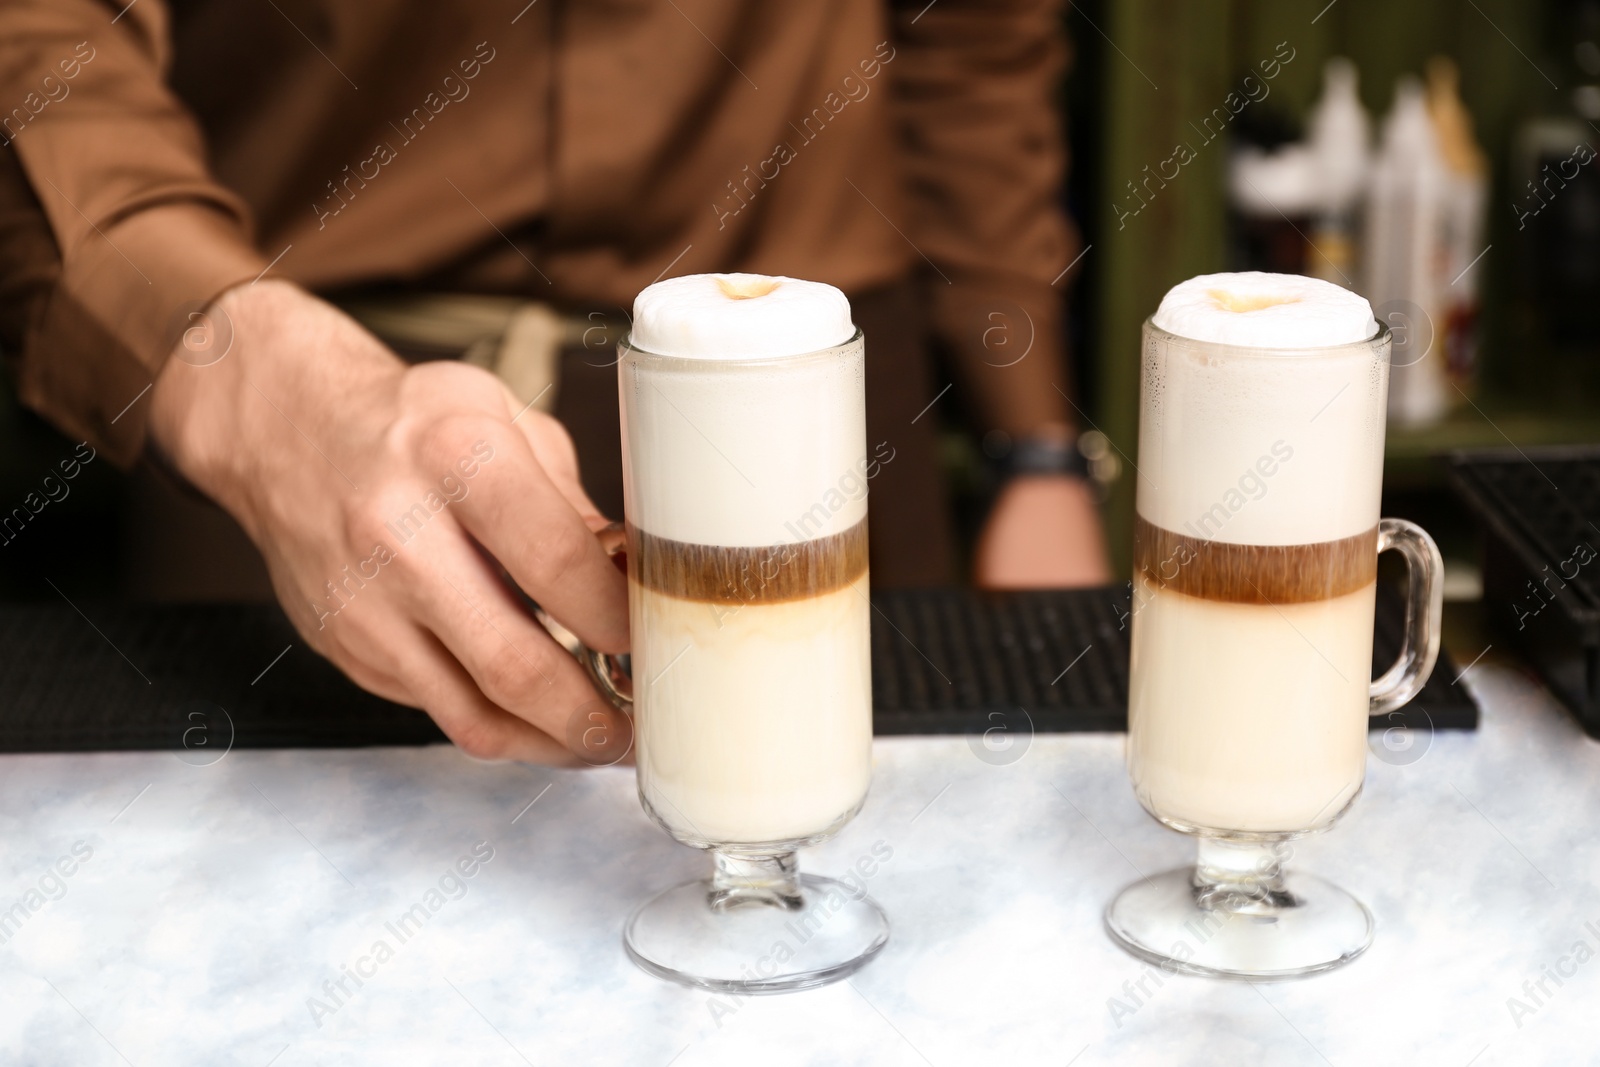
(160, 153)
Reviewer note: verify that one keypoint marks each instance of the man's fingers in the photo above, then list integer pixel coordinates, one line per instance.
(378, 683)
(510, 657)
(517, 513)
(467, 717)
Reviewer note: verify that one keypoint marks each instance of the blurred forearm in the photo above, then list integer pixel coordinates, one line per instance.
(978, 87)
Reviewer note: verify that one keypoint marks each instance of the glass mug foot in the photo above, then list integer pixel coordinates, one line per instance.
(756, 926)
(1238, 914)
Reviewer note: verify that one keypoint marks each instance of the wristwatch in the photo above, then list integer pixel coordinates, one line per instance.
(1089, 457)
(1041, 455)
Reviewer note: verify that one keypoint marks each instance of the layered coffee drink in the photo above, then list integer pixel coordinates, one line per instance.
(744, 453)
(1260, 471)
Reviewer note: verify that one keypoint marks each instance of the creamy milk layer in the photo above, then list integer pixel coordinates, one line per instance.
(739, 316)
(719, 453)
(1259, 310)
(754, 723)
(1262, 447)
(1245, 716)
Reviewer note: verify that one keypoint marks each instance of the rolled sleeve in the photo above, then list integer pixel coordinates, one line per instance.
(118, 229)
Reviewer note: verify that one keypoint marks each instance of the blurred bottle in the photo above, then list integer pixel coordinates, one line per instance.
(1298, 202)
(1405, 253)
(1271, 193)
(1465, 202)
(1557, 207)
(1339, 138)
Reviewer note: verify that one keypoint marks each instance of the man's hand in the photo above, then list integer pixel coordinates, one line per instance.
(369, 486)
(1044, 532)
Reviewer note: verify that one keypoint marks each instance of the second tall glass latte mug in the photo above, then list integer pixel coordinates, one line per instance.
(1255, 572)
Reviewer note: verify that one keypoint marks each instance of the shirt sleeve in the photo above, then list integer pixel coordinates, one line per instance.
(111, 228)
(977, 91)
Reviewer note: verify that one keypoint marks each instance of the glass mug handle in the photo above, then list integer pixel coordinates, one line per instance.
(609, 673)
(1419, 648)
(610, 676)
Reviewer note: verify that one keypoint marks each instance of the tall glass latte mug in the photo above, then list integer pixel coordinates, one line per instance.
(745, 492)
(1257, 542)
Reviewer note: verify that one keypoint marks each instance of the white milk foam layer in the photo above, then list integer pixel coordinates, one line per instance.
(739, 316)
(1260, 447)
(1259, 310)
(756, 724)
(727, 453)
(1248, 716)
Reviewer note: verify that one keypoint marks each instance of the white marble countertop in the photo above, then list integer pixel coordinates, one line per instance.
(207, 905)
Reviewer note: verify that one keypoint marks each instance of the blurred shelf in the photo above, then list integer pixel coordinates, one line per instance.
(1409, 453)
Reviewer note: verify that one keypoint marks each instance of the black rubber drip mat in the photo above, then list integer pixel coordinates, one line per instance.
(195, 679)
(958, 661)
(198, 680)
(1540, 509)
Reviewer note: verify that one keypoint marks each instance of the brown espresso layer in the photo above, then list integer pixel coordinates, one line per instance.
(1254, 574)
(720, 574)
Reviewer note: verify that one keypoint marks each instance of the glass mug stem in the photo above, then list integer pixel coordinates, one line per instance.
(771, 878)
(1243, 877)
